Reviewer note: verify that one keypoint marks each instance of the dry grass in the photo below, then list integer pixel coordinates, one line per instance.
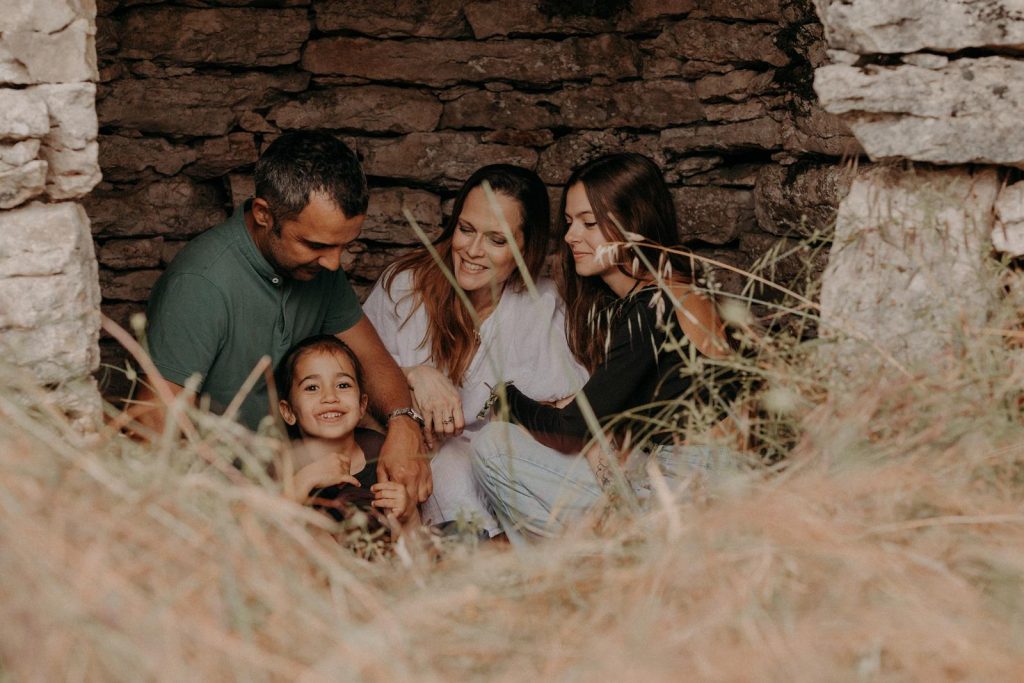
(888, 547)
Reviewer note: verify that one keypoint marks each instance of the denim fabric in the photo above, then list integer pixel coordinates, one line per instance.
(534, 491)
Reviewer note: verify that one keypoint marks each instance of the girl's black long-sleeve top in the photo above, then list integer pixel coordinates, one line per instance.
(649, 365)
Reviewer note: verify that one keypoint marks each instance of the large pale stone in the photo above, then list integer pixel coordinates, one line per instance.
(891, 26)
(176, 207)
(72, 112)
(908, 270)
(233, 36)
(69, 147)
(444, 63)
(18, 154)
(46, 17)
(388, 18)
(432, 157)
(1008, 235)
(23, 115)
(193, 104)
(55, 353)
(71, 173)
(18, 185)
(49, 292)
(800, 199)
(373, 108)
(386, 222)
(966, 112)
(43, 239)
(31, 302)
(63, 56)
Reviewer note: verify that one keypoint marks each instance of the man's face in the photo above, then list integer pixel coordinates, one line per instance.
(310, 242)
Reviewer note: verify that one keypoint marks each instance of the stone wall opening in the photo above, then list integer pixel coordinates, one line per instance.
(717, 91)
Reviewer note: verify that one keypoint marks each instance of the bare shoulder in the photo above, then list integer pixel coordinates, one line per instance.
(699, 319)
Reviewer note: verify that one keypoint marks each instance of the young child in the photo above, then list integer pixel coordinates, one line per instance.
(335, 464)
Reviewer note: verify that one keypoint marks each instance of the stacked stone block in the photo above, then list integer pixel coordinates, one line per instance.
(716, 91)
(49, 293)
(938, 83)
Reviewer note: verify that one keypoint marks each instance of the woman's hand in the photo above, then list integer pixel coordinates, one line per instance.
(438, 401)
(334, 469)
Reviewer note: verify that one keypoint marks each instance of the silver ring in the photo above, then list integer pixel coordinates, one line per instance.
(447, 420)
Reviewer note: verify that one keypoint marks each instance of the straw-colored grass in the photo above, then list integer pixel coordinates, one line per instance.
(888, 545)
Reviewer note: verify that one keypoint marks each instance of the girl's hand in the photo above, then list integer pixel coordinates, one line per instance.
(559, 402)
(438, 401)
(334, 469)
(391, 497)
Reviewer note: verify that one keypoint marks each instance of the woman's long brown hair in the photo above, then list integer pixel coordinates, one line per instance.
(625, 190)
(450, 330)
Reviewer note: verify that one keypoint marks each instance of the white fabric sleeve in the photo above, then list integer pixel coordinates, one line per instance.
(382, 312)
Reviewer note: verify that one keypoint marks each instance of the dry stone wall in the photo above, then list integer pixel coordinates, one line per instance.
(939, 83)
(49, 293)
(717, 91)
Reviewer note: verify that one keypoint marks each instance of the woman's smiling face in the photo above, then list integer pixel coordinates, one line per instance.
(481, 254)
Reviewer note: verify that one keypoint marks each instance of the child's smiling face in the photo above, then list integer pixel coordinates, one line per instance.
(325, 399)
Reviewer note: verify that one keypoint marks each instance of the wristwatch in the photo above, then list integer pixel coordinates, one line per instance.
(407, 412)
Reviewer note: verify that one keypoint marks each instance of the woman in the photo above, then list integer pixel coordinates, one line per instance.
(646, 346)
(453, 354)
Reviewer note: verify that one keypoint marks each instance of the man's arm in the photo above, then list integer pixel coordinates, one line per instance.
(401, 457)
(148, 409)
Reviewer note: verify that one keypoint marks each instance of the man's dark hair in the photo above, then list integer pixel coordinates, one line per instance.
(302, 162)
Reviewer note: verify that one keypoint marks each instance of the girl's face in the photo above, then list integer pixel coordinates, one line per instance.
(480, 250)
(324, 399)
(592, 252)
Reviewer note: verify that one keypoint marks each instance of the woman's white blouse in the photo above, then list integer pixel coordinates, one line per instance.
(522, 341)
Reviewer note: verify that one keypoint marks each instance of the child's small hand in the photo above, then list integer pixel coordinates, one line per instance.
(334, 469)
(390, 496)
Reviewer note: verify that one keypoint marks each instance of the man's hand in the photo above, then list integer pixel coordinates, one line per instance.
(402, 460)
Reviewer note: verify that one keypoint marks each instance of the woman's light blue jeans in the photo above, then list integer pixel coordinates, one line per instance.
(535, 491)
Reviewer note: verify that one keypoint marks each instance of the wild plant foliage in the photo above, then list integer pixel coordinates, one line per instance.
(873, 532)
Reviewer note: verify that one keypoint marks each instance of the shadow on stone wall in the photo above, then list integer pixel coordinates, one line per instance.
(717, 91)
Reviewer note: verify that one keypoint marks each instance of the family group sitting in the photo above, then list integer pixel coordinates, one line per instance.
(494, 385)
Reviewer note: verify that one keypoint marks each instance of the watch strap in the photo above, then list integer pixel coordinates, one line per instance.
(407, 412)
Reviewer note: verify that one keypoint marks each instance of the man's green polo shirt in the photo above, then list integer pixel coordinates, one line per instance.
(219, 307)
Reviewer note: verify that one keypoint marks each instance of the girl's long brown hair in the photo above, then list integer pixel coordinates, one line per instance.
(450, 330)
(627, 189)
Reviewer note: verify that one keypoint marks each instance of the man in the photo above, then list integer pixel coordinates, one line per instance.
(269, 277)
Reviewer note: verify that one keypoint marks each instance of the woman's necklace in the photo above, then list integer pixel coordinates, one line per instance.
(481, 318)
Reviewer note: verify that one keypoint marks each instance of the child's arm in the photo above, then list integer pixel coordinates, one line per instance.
(392, 497)
(328, 471)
